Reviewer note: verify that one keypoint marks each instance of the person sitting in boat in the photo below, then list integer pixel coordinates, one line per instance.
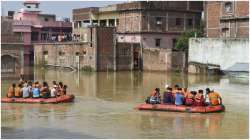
(36, 91)
(11, 91)
(189, 98)
(60, 89)
(155, 97)
(53, 91)
(18, 91)
(45, 90)
(168, 96)
(30, 88)
(199, 98)
(175, 89)
(214, 97)
(179, 98)
(64, 90)
(184, 91)
(25, 91)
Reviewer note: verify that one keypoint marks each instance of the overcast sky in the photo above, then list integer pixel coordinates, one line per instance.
(59, 8)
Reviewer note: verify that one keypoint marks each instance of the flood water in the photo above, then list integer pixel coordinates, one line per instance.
(104, 108)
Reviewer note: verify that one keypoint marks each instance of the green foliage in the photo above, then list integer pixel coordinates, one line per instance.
(182, 41)
(87, 68)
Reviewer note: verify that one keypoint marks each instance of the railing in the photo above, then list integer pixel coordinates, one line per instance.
(54, 24)
(11, 39)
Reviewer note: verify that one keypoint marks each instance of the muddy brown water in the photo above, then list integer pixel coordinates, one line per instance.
(104, 108)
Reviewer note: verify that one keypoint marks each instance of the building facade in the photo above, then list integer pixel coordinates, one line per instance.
(140, 26)
(21, 30)
(226, 19)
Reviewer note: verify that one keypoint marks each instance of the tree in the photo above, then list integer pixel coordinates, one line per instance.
(182, 41)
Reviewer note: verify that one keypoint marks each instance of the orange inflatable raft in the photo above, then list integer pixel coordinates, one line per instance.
(60, 99)
(181, 108)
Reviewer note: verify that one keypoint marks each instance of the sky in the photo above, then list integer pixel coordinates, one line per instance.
(59, 8)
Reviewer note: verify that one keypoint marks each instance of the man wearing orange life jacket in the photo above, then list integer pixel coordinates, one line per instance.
(11, 91)
(214, 97)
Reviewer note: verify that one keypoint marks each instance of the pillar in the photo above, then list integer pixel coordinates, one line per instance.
(132, 56)
(107, 22)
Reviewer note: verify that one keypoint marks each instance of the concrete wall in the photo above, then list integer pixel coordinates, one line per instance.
(65, 54)
(157, 59)
(222, 52)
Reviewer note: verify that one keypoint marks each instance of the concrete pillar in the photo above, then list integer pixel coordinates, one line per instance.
(132, 57)
(91, 22)
(107, 22)
(115, 22)
(185, 23)
(114, 52)
(22, 61)
(98, 22)
(141, 55)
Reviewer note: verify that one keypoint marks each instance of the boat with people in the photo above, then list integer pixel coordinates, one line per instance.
(181, 108)
(60, 99)
(28, 92)
(182, 100)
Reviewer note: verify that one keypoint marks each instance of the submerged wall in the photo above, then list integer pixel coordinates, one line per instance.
(224, 52)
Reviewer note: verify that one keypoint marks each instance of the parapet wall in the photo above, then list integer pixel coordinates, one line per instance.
(224, 52)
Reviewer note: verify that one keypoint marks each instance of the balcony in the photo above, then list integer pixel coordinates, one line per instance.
(11, 39)
(61, 24)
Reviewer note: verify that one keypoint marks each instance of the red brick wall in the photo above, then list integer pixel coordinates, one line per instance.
(218, 19)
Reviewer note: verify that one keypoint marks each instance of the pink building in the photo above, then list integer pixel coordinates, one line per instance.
(35, 27)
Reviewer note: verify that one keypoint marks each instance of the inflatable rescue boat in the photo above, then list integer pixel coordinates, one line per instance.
(181, 108)
(60, 99)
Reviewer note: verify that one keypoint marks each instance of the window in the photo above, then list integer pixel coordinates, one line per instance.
(174, 43)
(28, 7)
(178, 21)
(158, 20)
(61, 53)
(117, 22)
(157, 42)
(77, 53)
(228, 7)
(46, 19)
(190, 22)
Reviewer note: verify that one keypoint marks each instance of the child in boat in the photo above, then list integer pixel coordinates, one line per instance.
(214, 98)
(175, 89)
(30, 88)
(155, 97)
(36, 92)
(199, 98)
(168, 96)
(25, 90)
(18, 91)
(11, 91)
(64, 90)
(53, 91)
(45, 90)
(60, 89)
(179, 98)
(189, 98)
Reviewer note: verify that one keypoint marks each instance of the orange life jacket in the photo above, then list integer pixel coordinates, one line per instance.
(214, 98)
(11, 92)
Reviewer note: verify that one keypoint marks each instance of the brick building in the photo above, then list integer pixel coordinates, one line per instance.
(21, 30)
(142, 27)
(79, 55)
(228, 19)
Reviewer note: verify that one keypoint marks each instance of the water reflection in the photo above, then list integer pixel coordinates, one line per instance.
(104, 103)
